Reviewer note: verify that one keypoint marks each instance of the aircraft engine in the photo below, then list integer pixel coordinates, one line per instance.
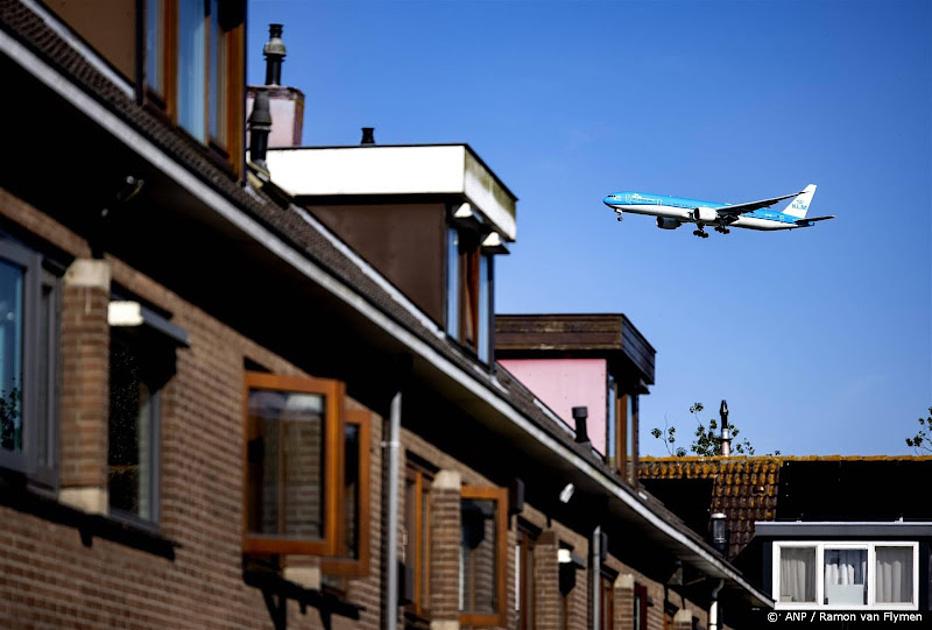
(705, 215)
(668, 224)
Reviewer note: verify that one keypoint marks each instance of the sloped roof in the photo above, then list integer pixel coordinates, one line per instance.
(744, 488)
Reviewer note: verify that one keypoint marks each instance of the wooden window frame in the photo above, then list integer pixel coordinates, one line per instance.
(422, 532)
(524, 548)
(359, 566)
(333, 392)
(228, 156)
(640, 600)
(470, 268)
(500, 496)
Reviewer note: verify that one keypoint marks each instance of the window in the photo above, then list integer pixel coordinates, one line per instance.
(483, 514)
(639, 614)
(524, 578)
(294, 442)
(194, 68)
(611, 427)
(417, 539)
(353, 532)
(28, 352)
(845, 575)
(607, 601)
(626, 428)
(133, 433)
(469, 292)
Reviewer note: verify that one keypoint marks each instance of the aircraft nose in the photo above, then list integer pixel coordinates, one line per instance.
(608, 200)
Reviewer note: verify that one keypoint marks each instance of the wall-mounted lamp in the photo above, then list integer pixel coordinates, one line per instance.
(567, 493)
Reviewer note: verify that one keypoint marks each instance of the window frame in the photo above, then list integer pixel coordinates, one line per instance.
(38, 417)
(341, 566)
(166, 101)
(500, 496)
(821, 546)
(422, 478)
(525, 543)
(640, 602)
(333, 393)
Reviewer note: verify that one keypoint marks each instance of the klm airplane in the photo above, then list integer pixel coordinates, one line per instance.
(672, 212)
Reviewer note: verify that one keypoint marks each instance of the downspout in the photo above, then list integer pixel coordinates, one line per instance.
(392, 444)
(596, 573)
(713, 607)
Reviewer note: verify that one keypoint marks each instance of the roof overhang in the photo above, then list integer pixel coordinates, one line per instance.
(385, 170)
(842, 529)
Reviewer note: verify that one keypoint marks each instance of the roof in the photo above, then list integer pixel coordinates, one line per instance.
(382, 169)
(608, 335)
(293, 238)
(750, 489)
(744, 488)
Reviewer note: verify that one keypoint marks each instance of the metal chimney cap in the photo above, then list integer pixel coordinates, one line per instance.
(368, 135)
(261, 115)
(275, 47)
(580, 412)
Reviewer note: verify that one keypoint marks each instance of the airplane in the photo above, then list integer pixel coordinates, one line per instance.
(672, 212)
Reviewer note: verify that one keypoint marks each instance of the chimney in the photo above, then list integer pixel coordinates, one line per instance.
(260, 124)
(274, 52)
(368, 135)
(726, 432)
(580, 415)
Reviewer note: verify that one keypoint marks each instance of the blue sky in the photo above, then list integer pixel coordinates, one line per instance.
(820, 338)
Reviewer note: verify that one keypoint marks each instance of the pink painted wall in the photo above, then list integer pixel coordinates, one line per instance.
(566, 383)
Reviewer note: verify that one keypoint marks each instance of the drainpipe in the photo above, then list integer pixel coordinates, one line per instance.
(392, 444)
(596, 573)
(713, 608)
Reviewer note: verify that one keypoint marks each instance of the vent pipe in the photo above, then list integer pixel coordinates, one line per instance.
(580, 415)
(260, 125)
(274, 51)
(726, 431)
(368, 135)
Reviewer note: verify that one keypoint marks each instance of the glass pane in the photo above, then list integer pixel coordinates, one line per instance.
(11, 356)
(611, 425)
(192, 66)
(479, 583)
(130, 433)
(45, 385)
(485, 300)
(636, 613)
(286, 464)
(845, 576)
(797, 574)
(217, 87)
(894, 575)
(453, 283)
(351, 496)
(155, 44)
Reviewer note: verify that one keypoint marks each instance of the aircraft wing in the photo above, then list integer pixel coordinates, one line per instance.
(737, 209)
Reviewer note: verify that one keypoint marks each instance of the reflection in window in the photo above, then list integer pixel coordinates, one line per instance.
(155, 45)
(285, 453)
(192, 66)
(453, 283)
(797, 574)
(478, 592)
(11, 356)
(485, 306)
(351, 493)
(217, 86)
(132, 429)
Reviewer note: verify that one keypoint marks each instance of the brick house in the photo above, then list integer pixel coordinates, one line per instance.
(233, 397)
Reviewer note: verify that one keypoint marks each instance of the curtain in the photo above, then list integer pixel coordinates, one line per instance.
(797, 574)
(894, 575)
(845, 566)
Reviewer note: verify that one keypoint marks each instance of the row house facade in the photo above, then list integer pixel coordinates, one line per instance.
(264, 392)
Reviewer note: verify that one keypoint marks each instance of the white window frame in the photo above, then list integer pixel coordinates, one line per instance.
(820, 547)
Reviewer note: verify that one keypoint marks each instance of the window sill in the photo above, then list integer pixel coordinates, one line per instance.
(16, 493)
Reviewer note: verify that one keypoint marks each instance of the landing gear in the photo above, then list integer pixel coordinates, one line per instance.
(722, 229)
(700, 233)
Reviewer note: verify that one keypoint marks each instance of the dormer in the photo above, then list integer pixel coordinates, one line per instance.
(430, 218)
(600, 361)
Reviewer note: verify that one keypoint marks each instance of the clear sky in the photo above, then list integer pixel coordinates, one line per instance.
(818, 338)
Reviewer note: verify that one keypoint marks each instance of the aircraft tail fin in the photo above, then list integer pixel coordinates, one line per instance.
(799, 206)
